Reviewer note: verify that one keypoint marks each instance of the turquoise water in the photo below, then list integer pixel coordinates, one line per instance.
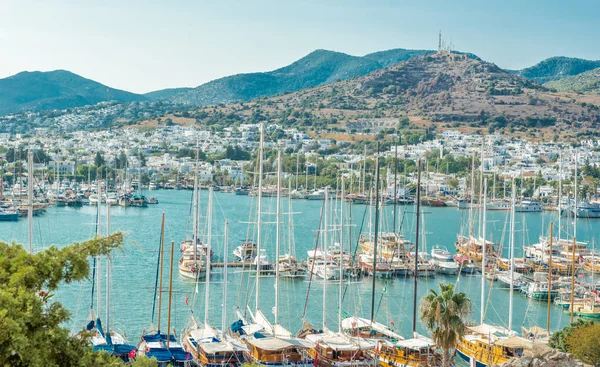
(134, 268)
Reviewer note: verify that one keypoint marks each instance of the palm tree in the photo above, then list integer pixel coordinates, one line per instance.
(444, 314)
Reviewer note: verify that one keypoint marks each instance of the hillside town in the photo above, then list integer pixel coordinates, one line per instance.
(166, 156)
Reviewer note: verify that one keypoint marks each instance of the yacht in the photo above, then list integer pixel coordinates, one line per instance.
(317, 195)
(443, 261)
(245, 252)
(526, 206)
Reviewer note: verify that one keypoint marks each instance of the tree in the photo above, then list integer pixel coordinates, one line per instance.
(584, 342)
(453, 183)
(99, 160)
(30, 319)
(142, 158)
(444, 314)
(559, 338)
(121, 160)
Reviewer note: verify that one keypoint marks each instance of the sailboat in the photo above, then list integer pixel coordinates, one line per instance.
(105, 338)
(288, 264)
(369, 328)
(207, 344)
(486, 345)
(269, 344)
(155, 343)
(193, 252)
(336, 349)
(418, 350)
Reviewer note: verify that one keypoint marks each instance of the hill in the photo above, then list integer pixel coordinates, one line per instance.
(556, 68)
(586, 82)
(165, 93)
(59, 89)
(317, 68)
(439, 90)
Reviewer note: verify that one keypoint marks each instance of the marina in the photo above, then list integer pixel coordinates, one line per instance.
(142, 229)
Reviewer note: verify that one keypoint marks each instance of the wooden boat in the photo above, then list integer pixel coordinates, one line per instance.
(415, 352)
(487, 345)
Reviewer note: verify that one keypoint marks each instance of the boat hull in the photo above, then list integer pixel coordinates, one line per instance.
(467, 359)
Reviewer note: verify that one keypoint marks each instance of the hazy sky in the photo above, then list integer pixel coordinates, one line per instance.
(144, 45)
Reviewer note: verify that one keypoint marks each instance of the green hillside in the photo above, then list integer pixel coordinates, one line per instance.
(317, 68)
(556, 68)
(59, 89)
(587, 82)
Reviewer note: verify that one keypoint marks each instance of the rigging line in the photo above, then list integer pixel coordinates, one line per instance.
(156, 279)
(489, 297)
(356, 247)
(317, 235)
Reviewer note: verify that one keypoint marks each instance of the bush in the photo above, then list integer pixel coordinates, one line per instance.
(584, 344)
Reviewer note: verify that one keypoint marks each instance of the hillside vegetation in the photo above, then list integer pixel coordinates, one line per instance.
(587, 82)
(555, 68)
(317, 68)
(440, 90)
(59, 89)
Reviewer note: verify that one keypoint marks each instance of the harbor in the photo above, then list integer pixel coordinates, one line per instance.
(134, 268)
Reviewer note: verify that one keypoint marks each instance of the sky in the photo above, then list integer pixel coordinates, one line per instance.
(146, 45)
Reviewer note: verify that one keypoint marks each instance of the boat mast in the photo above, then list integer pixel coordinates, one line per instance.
(208, 253)
(98, 234)
(364, 169)
(471, 219)
(30, 198)
(418, 222)
(341, 260)
(196, 211)
(512, 257)
(550, 279)
(108, 273)
(375, 239)
(559, 193)
(259, 219)
(161, 257)
(395, 183)
(297, 169)
(325, 260)
(483, 252)
(573, 251)
(481, 187)
(225, 252)
(277, 236)
(170, 295)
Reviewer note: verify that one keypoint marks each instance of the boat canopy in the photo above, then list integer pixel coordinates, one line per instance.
(485, 329)
(200, 334)
(216, 347)
(416, 343)
(515, 342)
(339, 342)
(359, 323)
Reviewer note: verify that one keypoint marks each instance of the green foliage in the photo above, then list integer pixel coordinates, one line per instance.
(55, 90)
(444, 315)
(555, 68)
(99, 159)
(558, 339)
(586, 82)
(317, 68)
(191, 153)
(30, 320)
(584, 343)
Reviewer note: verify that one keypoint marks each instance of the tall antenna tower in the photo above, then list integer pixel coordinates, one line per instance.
(440, 41)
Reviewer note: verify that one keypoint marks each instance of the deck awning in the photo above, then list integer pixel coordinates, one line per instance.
(515, 342)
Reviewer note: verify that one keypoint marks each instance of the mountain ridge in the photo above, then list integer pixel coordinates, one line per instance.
(57, 89)
(442, 89)
(60, 89)
(317, 68)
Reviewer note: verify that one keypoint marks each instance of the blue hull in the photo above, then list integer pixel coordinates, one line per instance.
(467, 359)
